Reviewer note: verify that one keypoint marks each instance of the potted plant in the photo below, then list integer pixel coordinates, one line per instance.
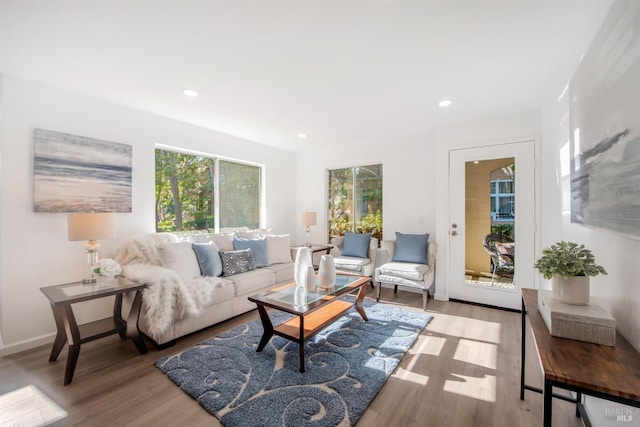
(569, 267)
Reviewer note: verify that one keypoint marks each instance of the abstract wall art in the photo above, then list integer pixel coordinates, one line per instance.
(605, 126)
(79, 174)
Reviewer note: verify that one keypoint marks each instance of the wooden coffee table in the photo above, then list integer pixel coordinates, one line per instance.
(317, 310)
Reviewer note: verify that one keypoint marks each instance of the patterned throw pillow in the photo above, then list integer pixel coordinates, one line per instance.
(236, 262)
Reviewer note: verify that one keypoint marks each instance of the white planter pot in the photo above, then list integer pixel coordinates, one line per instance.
(573, 291)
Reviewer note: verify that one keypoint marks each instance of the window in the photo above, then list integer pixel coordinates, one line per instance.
(355, 200)
(188, 186)
(502, 200)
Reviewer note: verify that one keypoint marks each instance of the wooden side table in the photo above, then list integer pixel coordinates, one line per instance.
(610, 373)
(62, 296)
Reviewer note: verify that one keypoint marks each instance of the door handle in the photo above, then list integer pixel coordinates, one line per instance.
(454, 233)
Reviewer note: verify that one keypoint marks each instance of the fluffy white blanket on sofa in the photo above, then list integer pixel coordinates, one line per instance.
(168, 297)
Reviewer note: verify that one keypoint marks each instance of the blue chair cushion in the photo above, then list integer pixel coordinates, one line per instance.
(356, 245)
(208, 258)
(257, 246)
(411, 248)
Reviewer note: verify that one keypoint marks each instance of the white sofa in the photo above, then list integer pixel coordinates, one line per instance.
(228, 295)
(407, 274)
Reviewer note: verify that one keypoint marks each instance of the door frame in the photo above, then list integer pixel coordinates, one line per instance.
(443, 212)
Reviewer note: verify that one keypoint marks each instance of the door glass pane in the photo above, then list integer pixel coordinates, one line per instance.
(239, 195)
(340, 201)
(489, 223)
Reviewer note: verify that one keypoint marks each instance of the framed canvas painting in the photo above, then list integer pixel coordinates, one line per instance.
(79, 174)
(605, 127)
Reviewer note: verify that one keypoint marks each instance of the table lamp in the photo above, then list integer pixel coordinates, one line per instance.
(308, 219)
(90, 227)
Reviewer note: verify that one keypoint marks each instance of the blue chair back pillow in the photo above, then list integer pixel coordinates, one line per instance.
(411, 248)
(356, 245)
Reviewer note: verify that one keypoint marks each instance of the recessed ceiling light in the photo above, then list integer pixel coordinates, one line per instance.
(190, 92)
(444, 103)
(302, 135)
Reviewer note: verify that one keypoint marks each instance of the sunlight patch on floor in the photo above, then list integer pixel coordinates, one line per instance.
(456, 326)
(28, 406)
(407, 375)
(428, 345)
(478, 353)
(483, 388)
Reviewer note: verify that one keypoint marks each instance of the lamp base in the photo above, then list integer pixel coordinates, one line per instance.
(308, 238)
(89, 277)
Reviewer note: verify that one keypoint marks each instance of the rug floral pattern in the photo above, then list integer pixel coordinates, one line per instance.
(346, 365)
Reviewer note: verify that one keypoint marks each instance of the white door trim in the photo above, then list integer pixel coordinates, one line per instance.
(443, 201)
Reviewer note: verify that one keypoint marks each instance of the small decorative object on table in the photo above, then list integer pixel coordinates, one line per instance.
(302, 263)
(569, 267)
(106, 269)
(327, 272)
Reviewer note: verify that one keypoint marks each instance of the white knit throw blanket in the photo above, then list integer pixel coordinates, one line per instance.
(168, 296)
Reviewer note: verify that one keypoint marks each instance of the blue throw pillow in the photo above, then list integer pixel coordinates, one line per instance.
(208, 258)
(257, 246)
(356, 245)
(411, 248)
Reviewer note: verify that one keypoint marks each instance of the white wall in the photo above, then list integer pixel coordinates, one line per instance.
(34, 251)
(415, 176)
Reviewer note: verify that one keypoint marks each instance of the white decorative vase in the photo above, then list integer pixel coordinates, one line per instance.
(573, 291)
(300, 297)
(310, 279)
(303, 262)
(327, 272)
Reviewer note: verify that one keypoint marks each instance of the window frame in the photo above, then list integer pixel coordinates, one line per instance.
(216, 186)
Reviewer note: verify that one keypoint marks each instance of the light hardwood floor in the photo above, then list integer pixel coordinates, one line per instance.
(464, 370)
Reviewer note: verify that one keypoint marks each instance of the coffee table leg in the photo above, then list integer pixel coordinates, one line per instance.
(301, 343)
(360, 302)
(266, 325)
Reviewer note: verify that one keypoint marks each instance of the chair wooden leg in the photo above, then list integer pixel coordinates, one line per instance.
(395, 289)
(425, 297)
(379, 285)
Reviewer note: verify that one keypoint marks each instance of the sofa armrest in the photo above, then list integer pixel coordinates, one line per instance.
(389, 247)
(336, 242)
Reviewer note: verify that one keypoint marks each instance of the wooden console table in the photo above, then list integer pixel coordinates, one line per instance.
(62, 296)
(610, 373)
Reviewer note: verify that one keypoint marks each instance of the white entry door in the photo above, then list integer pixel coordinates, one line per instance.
(492, 198)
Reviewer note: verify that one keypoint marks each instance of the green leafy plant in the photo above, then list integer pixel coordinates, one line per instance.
(567, 260)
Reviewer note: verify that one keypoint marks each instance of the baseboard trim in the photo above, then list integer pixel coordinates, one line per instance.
(29, 344)
(513, 310)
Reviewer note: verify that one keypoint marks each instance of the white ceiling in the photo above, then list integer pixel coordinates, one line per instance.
(341, 71)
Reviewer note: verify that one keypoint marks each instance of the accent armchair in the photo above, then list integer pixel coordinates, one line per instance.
(363, 264)
(394, 271)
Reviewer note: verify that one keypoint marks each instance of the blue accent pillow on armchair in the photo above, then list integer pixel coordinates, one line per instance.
(411, 248)
(356, 245)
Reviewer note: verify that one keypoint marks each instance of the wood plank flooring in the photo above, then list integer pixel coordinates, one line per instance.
(464, 370)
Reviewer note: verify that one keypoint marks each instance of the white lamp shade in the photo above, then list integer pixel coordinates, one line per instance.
(309, 218)
(91, 226)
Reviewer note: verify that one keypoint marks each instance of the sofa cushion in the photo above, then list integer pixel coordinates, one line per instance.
(283, 272)
(411, 271)
(258, 247)
(222, 291)
(208, 258)
(356, 245)
(224, 241)
(236, 262)
(255, 233)
(278, 248)
(252, 281)
(350, 263)
(180, 258)
(411, 248)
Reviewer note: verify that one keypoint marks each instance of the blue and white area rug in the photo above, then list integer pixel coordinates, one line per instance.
(346, 365)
